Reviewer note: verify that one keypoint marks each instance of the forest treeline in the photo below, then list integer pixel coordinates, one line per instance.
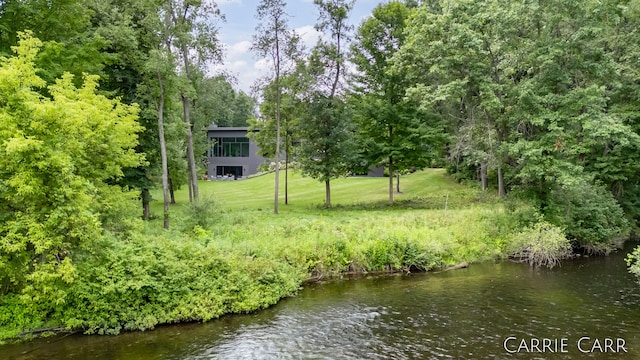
(535, 100)
(103, 101)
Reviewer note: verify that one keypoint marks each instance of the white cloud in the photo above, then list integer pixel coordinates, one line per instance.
(309, 35)
(239, 63)
(263, 64)
(238, 49)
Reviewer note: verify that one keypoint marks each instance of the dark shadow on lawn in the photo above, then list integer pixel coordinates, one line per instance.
(436, 202)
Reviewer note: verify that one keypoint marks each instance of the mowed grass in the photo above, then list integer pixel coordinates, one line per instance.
(305, 193)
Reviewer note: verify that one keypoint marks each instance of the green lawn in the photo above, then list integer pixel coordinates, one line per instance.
(305, 193)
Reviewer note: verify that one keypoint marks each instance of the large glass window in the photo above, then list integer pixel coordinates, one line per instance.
(234, 171)
(229, 147)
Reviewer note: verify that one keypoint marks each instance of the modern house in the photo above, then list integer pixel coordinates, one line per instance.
(232, 154)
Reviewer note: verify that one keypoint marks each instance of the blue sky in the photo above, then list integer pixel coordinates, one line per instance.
(236, 34)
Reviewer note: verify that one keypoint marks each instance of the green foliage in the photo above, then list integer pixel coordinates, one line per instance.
(393, 254)
(71, 43)
(242, 259)
(57, 156)
(545, 97)
(391, 130)
(327, 150)
(632, 262)
(201, 214)
(589, 213)
(290, 113)
(539, 95)
(15, 316)
(219, 103)
(542, 244)
(138, 284)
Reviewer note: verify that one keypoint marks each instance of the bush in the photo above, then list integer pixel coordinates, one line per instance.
(541, 244)
(199, 215)
(589, 214)
(633, 262)
(137, 284)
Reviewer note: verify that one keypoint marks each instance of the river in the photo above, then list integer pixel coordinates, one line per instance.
(462, 314)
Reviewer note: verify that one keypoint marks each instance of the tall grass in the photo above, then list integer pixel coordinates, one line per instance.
(435, 222)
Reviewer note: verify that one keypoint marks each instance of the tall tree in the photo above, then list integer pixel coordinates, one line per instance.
(160, 66)
(112, 38)
(274, 39)
(333, 22)
(464, 73)
(193, 29)
(290, 111)
(327, 150)
(389, 126)
(528, 91)
(570, 128)
(130, 32)
(326, 147)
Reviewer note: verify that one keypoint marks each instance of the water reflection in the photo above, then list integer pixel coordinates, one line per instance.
(462, 314)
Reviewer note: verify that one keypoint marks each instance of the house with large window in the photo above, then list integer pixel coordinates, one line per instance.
(232, 154)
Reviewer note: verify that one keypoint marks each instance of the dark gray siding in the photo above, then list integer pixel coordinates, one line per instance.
(249, 164)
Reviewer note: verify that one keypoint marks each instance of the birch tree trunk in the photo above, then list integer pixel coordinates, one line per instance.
(163, 153)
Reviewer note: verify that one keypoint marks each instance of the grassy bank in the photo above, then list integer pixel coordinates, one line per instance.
(435, 222)
(231, 254)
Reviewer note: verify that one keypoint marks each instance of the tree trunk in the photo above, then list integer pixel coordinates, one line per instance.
(189, 183)
(146, 199)
(286, 172)
(327, 191)
(483, 176)
(277, 184)
(163, 153)
(334, 86)
(391, 175)
(191, 160)
(173, 197)
(398, 183)
(501, 191)
(278, 99)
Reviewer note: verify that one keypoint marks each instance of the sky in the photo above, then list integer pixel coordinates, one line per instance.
(237, 31)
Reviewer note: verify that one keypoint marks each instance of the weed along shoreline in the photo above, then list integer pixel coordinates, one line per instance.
(227, 255)
(356, 274)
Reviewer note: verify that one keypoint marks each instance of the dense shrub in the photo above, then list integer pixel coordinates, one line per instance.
(630, 203)
(542, 244)
(199, 216)
(589, 214)
(142, 282)
(633, 261)
(388, 254)
(241, 262)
